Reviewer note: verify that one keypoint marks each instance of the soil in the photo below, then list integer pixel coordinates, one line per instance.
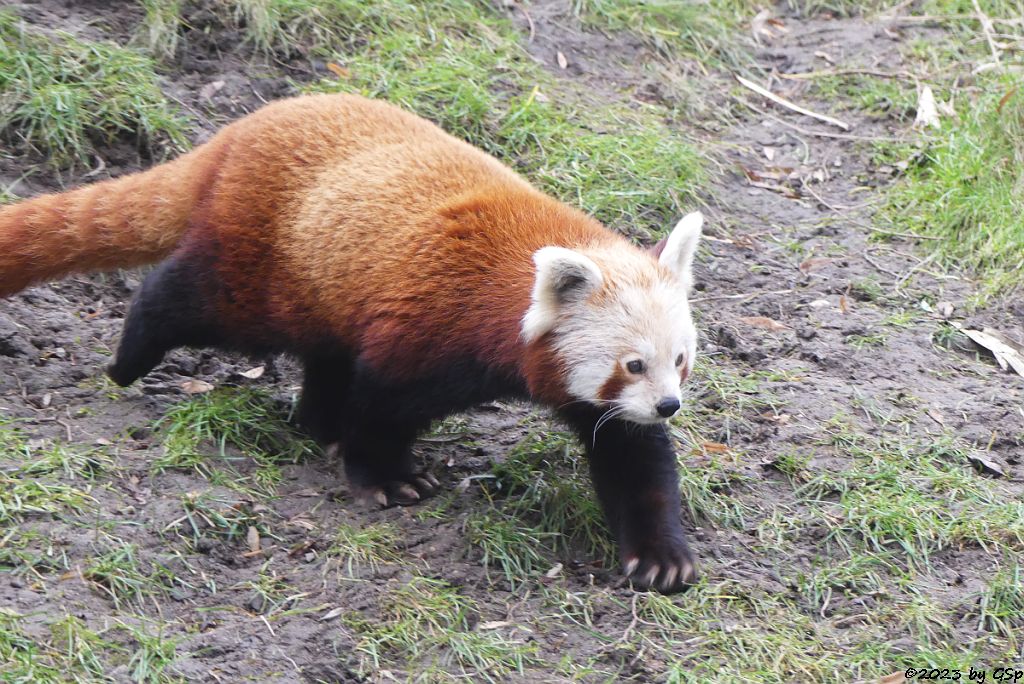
(798, 254)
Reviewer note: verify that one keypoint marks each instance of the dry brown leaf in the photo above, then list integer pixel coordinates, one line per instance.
(1005, 98)
(253, 373)
(193, 386)
(893, 678)
(493, 624)
(332, 614)
(844, 306)
(210, 89)
(714, 447)
(341, 72)
(763, 322)
(252, 538)
(814, 263)
(562, 61)
(1008, 354)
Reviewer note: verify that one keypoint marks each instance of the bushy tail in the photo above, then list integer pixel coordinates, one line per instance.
(128, 221)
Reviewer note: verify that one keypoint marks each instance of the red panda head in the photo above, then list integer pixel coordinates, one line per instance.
(619, 322)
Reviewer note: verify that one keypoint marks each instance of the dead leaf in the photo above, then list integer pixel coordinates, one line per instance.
(844, 306)
(759, 26)
(253, 373)
(493, 624)
(341, 72)
(210, 89)
(944, 309)
(769, 153)
(985, 466)
(825, 56)
(1008, 354)
(927, 112)
(763, 322)
(714, 448)
(193, 386)
(814, 263)
(562, 61)
(1005, 98)
(332, 614)
(554, 571)
(252, 538)
(936, 416)
(893, 678)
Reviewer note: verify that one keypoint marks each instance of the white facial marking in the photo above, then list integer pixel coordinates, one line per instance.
(611, 306)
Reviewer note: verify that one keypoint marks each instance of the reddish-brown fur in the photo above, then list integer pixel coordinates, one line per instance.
(327, 216)
(395, 260)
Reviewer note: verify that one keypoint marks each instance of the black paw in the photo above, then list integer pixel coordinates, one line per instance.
(404, 491)
(667, 567)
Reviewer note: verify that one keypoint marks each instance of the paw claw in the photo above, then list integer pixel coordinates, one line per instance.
(665, 567)
(652, 574)
(400, 492)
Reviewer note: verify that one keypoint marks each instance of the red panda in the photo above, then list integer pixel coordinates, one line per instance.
(414, 276)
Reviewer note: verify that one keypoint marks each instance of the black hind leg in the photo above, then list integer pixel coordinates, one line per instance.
(325, 387)
(383, 421)
(168, 312)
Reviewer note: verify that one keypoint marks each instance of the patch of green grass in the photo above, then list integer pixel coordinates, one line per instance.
(63, 96)
(968, 189)
(546, 484)
(909, 497)
(161, 27)
(118, 574)
(713, 32)
(507, 543)
(430, 626)
(461, 65)
(270, 594)
(208, 516)
(862, 341)
(32, 476)
(246, 420)
(69, 652)
(151, 655)
(1001, 604)
(359, 547)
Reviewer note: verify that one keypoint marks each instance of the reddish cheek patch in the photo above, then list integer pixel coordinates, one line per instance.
(612, 387)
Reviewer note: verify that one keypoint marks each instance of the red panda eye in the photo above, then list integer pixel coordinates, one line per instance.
(679, 360)
(635, 366)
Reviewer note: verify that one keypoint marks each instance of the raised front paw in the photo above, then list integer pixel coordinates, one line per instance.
(665, 565)
(404, 491)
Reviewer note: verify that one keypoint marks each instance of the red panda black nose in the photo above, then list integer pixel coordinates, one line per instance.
(667, 407)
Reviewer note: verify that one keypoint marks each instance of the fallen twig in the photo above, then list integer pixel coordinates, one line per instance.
(820, 134)
(824, 73)
(749, 295)
(746, 83)
(988, 30)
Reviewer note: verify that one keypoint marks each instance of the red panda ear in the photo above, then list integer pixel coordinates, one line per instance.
(563, 276)
(680, 246)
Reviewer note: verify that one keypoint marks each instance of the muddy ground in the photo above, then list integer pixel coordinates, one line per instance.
(795, 250)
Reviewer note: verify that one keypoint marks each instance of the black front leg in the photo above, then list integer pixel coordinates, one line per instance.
(635, 474)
